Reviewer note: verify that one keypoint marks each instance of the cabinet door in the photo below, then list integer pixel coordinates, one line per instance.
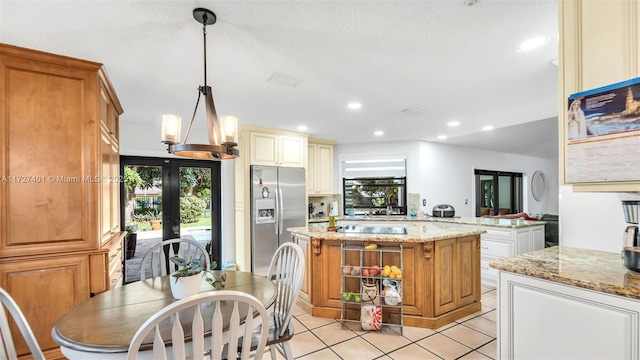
(538, 236)
(312, 169)
(324, 169)
(305, 244)
(45, 289)
(106, 230)
(456, 273)
(49, 145)
(445, 276)
(291, 151)
(264, 149)
(570, 322)
(114, 188)
(469, 267)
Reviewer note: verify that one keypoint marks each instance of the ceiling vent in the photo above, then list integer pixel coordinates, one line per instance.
(411, 111)
(283, 79)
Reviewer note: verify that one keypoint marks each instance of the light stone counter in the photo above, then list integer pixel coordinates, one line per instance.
(589, 269)
(418, 234)
(480, 221)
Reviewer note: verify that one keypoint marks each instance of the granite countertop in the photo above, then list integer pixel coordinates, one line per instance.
(480, 221)
(590, 269)
(419, 234)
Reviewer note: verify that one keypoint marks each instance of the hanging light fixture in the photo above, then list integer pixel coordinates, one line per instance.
(222, 135)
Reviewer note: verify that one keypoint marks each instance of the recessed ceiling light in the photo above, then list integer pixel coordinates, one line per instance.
(302, 128)
(378, 133)
(354, 106)
(453, 123)
(442, 137)
(487, 128)
(533, 44)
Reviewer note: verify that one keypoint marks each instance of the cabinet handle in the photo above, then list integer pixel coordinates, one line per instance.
(484, 268)
(484, 247)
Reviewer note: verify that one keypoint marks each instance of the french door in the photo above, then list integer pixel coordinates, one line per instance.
(166, 199)
(498, 192)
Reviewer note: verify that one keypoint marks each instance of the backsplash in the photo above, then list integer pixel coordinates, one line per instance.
(321, 205)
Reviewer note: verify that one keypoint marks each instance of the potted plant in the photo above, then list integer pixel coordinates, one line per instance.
(155, 219)
(186, 281)
(131, 241)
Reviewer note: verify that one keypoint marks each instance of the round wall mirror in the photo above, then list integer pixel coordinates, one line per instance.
(538, 183)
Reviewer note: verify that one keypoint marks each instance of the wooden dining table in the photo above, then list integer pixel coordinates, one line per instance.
(103, 326)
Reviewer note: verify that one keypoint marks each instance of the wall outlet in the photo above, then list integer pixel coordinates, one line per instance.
(424, 202)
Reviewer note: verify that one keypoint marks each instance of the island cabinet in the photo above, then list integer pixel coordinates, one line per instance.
(56, 249)
(440, 279)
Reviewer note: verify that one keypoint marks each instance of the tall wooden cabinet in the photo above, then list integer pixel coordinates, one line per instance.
(55, 240)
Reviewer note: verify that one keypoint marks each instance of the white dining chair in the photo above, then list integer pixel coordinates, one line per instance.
(7, 345)
(287, 271)
(190, 318)
(155, 262)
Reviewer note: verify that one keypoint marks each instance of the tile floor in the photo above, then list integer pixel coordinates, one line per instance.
(473, 337)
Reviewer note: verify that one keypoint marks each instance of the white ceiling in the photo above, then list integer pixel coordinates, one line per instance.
(453, 61)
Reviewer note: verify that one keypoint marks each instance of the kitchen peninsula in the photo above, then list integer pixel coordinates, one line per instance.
(440, 270)
(579, 303)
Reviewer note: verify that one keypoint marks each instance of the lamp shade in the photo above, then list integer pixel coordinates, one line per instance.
(171, 125)
(229, 129)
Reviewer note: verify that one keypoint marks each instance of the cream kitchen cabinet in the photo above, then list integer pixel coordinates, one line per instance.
(320, 167)
(501, 242)
(272, 149)
(598, 47)
(541, 319)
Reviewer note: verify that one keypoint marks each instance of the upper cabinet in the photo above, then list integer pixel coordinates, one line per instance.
(598, 47)
(320, 167)
(273, 149)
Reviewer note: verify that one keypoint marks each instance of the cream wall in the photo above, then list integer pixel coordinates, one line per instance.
(598, 46)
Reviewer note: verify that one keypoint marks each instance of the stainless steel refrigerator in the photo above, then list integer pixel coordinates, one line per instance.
(278, 202)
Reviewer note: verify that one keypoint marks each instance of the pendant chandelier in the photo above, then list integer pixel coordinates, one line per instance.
(222, 135)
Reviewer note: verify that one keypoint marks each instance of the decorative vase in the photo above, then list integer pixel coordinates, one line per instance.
(185, 286)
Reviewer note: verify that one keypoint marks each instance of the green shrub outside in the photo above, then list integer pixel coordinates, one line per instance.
(191, 209)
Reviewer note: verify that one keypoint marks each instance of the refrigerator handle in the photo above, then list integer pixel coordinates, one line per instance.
(276, 223)
(280, 210)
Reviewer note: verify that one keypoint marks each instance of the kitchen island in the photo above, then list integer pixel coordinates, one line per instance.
(563, 302)
(501, 238)
(440, 271)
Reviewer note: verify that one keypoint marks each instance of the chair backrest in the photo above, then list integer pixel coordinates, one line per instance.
(155, 263)
(287, 271)
(201, 325)
(7, 346)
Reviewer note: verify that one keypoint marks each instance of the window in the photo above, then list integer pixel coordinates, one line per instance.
(498, 192)
(378, 196)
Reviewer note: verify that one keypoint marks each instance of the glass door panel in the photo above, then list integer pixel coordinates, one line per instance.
(195, 205)
(167, 199)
